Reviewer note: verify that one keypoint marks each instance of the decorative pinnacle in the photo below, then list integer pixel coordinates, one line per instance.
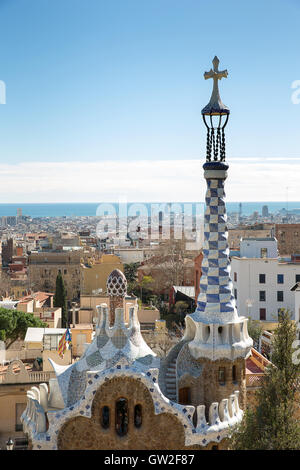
(215, 106)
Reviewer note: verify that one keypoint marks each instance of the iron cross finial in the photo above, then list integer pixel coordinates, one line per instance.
(215, 106)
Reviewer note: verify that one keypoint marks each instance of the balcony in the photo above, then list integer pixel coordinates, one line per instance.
(19, 375)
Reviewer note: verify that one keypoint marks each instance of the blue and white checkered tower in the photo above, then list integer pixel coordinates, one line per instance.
(216, 298)
(215, 329)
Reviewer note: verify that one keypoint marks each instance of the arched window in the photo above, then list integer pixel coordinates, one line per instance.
(185, 396)
(105, 417)
(221, 376)
(122, 416)
(138, 416)
(233, 373)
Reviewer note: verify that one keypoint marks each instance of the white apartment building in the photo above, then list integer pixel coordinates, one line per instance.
(130, 255)
(262, 285)
(258, 247)
(135, 255)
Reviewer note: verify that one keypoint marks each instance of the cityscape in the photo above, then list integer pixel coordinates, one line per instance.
(149, 277)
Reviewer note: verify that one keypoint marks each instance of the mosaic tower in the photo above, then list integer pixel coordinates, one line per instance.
(218, 336)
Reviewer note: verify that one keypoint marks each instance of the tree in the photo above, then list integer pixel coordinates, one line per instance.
(163, 341)
(173, 319)
(130, 272)
(170, 265)
(255, 330)
(272, 424)
(60, 299)
(181, 309)
(14, 324)
(145, 286)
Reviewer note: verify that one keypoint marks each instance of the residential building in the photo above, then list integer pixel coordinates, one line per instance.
(7, 251)
(82, 335)
(262, 286)
(43, 268)
(36, 301)
(255, 231)
(130, 255)
(46, 341)
(258, 247)
(94, 275)
(288, 236)
(40, 304)
(15, 380)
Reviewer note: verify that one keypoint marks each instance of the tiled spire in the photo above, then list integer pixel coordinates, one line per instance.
(216, 301)
(215, 330)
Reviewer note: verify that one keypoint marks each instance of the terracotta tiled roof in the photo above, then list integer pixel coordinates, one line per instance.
(251, 367)
(39, 296)
(256, 363)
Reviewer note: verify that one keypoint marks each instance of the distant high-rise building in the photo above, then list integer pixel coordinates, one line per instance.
(7, 252)
(265, 211)
(240, 211)
(160, 217)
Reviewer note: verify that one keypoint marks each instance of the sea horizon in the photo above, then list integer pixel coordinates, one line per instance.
(81, 209)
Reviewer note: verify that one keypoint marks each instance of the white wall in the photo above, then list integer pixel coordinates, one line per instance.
(248, 286)
(130, 255)
(252, 248)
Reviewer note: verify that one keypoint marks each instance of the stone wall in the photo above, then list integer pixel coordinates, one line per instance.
(208, 389)
(162, 431)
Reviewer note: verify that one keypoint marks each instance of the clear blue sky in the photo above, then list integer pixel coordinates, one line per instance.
(94, 80)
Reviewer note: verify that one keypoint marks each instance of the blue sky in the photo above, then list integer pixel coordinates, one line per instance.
(122, 81)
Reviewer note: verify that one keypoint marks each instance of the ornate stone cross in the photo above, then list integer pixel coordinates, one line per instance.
(215, 106)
